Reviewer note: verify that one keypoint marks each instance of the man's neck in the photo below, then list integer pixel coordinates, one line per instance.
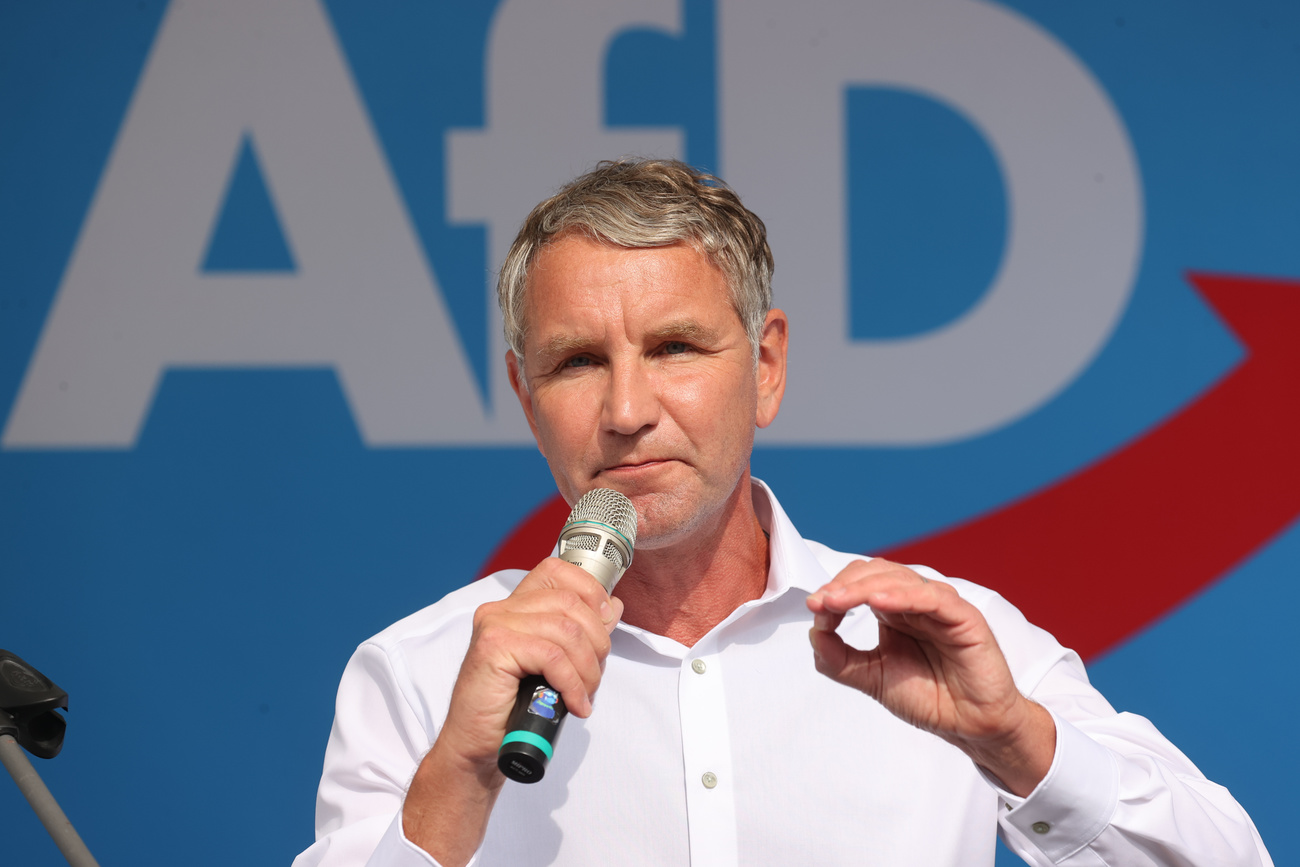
(685, 590)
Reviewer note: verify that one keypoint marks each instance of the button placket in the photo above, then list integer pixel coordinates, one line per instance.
(706, 753)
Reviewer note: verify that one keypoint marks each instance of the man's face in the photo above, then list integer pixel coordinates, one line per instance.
(640, 378)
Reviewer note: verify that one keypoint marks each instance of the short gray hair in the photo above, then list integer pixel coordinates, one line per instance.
(647, 203)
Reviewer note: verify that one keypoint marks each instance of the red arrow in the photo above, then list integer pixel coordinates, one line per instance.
(1098, 555)
(532, 540)
(1101, 553)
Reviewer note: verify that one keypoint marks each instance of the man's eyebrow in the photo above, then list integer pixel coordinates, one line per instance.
(563, 344)
(686, 330)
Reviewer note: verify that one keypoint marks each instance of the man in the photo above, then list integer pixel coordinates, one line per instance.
(644, 352)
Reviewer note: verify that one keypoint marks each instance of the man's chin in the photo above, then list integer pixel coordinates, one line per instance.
(641, 487)
(672, 503)
(668, 518)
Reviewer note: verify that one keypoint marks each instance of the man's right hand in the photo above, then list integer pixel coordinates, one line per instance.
(557, 624)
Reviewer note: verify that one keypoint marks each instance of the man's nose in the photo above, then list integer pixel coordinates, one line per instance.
(632, 401)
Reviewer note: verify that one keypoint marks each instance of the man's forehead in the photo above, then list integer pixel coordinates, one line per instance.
(573, 248)
(582, 262)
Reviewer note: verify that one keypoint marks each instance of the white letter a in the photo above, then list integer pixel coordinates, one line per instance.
(133, 301)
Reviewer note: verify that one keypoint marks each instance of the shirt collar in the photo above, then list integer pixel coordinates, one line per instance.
(793, 564)
(793, 569)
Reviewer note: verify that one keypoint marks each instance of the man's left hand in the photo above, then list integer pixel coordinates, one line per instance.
(937, 667)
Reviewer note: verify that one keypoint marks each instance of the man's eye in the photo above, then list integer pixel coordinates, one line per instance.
(578, 361)
(676, 347)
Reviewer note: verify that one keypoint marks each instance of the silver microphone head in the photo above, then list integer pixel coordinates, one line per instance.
(600, 535)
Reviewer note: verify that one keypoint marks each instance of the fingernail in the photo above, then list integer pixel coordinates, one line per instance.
(812, 639)
(606, 612)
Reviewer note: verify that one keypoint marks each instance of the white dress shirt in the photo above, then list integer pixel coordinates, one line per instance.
(737, 752)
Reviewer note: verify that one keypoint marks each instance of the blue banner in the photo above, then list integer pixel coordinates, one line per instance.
(1039, 260)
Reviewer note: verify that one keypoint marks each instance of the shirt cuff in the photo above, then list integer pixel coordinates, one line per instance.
(1073, 803)
(394, 850)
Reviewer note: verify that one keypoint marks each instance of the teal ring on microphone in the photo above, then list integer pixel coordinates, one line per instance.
(529, 738)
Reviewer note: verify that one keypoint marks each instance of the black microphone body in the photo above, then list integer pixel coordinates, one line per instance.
(599, 536)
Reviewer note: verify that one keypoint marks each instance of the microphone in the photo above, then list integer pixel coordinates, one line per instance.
(599, 537)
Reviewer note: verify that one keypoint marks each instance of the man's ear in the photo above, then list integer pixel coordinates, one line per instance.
(520, 386)
(770, 374)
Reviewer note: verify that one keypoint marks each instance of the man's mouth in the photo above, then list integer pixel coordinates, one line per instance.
(630, 466)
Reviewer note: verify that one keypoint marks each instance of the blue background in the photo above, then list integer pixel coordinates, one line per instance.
(199, 594)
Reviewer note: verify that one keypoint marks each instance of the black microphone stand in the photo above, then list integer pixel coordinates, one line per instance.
(28, 720)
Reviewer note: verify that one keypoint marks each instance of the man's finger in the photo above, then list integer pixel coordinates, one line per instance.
(843, 664)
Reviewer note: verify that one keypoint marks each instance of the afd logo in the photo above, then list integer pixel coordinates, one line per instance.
(238, 86)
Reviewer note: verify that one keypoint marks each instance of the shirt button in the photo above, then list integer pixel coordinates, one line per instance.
(1041, 827)
(709, 779)
(698, 666)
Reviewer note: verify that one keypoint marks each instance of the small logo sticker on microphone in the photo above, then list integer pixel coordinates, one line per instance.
(543, 703)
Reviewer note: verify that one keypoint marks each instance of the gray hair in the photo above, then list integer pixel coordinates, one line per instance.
(647, 203)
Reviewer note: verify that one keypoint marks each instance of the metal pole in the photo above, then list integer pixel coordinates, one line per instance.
(51, 815)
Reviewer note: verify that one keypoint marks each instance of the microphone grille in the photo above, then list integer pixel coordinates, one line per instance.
(607, 507)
